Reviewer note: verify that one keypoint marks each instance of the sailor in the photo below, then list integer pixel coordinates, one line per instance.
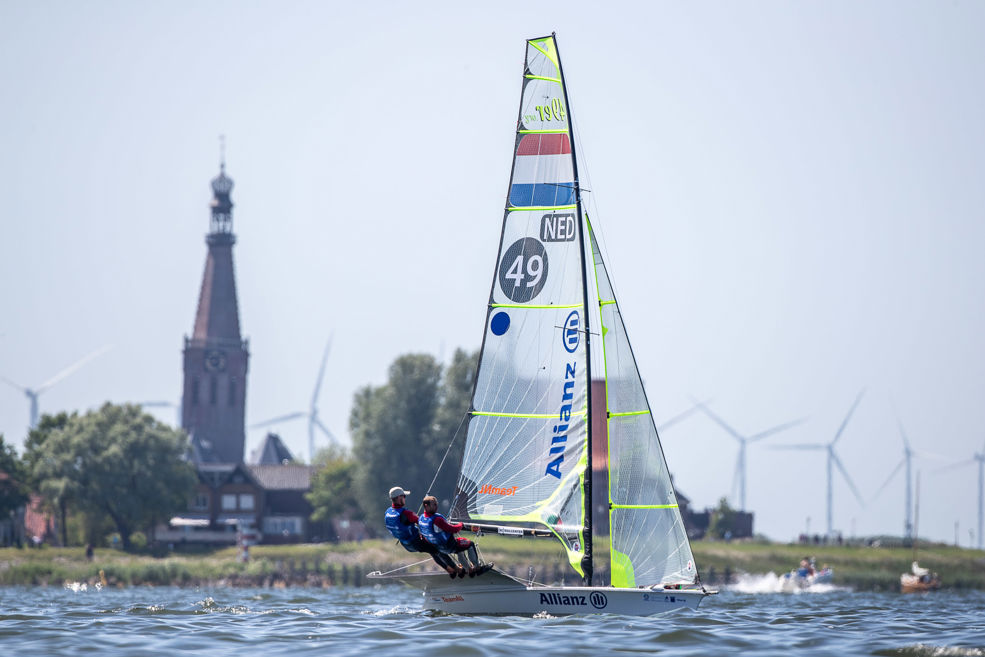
(441, 533)
(402, 523)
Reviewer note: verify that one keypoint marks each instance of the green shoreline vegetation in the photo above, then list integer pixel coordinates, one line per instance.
(320, 565)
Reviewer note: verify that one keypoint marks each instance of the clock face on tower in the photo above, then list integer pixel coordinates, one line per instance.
(215, 361)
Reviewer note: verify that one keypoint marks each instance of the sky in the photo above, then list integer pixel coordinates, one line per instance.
(790, 200)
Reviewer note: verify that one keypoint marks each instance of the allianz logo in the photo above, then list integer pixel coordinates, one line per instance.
(597, 599)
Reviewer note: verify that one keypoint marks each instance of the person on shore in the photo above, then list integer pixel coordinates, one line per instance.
(402, 523)
(441, 533)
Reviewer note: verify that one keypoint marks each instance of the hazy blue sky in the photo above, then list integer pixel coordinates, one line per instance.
(791, 199)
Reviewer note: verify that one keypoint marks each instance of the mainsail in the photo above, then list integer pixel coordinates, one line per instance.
(529, 440)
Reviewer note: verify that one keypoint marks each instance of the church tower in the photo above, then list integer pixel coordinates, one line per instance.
(215, 356)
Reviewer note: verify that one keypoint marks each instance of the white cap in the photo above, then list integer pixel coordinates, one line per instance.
(397, 491)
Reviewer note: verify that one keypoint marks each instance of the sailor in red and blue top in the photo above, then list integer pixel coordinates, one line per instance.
(440, 533)
(402, 523)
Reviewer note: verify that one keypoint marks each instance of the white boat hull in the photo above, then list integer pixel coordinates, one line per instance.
(496, 593)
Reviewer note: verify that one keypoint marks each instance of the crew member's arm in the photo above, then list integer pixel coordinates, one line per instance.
(408, 517)
(446, 526)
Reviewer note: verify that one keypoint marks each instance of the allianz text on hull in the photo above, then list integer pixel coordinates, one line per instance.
(499, 594)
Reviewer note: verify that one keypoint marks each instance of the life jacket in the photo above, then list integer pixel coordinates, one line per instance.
(406, 534)
(436, 537)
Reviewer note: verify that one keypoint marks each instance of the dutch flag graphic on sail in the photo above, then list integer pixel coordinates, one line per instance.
(543, 175)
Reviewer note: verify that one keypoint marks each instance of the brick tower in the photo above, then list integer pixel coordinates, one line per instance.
(215, 356)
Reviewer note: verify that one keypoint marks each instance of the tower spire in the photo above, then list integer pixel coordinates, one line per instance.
(216, 357)
(222, 205)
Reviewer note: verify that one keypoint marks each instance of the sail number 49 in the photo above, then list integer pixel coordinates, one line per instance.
(534, 270)
(552, 112)
(523, 269)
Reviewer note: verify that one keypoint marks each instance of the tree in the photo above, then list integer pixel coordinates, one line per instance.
(392, 429)
(332, 493)
(117, 462)
(48, 471)
(13, 480)
(722, 523)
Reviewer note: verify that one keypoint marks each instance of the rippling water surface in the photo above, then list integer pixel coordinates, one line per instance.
(748, 619)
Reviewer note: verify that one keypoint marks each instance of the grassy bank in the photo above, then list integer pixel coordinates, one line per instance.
(862, 568)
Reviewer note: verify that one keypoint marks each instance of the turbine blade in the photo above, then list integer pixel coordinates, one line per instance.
(955, 466)
(801, 446)
(280, 418)
(844, 473)
(680, 416)
(844, 422)
(719, 421)
(151, 404)
(16, 385)
(902, 432)
(888, 479)
(331, 436)
(71, 369)
(933, 456)
(321, 372)
(777, 429)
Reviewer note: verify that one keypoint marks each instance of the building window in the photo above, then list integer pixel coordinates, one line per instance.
(246, 501)
(232, 392)
(195, 391)
(201, 502)
(228, 502)
(283, 525)
(213, 390)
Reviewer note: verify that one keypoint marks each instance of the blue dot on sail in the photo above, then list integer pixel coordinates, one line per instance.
(500, 323)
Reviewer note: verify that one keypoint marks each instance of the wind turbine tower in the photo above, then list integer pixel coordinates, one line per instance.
(314, 422)
(832, 462)
(980, 458)
(740, 461)
(33, 393)
(908, 455)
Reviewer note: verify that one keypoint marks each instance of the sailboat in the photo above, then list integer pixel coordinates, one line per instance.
(919, 579)
(560, 441)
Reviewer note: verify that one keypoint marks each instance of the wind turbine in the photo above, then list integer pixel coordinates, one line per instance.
(833, 459)
(33, 393)
(908, 454)
(683, 415)
(980, 458)
(312, 413)
(740, 461)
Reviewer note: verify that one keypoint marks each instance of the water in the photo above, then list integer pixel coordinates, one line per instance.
(388, 621)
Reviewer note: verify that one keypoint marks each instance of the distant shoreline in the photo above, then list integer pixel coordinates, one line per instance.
(346, 564)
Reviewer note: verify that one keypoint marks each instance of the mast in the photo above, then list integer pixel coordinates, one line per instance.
(587, 561)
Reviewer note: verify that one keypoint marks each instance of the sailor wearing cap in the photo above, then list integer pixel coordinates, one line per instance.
(402, 523)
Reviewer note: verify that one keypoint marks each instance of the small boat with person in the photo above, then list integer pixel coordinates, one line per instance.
(806, 575)
(919, 580)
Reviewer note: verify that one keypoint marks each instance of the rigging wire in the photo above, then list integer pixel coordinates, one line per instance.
(447, 451)
(396, 570)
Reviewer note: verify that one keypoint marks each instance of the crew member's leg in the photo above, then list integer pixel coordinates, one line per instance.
(443, 560)
(467, 555)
